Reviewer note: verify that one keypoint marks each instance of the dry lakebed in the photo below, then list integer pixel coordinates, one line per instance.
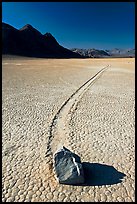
(87, 105)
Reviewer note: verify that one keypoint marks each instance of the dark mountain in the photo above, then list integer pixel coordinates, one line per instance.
(50, 40)
(10, 37)
(92, 53)
(30, 42)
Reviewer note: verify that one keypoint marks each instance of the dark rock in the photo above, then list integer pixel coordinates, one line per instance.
(68, 167)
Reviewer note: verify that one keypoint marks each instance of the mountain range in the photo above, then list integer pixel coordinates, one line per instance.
(28, 41)
(121, 52)
(94, 53)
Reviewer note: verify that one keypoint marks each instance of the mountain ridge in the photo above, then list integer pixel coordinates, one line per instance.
(28, 41)
(95, 53)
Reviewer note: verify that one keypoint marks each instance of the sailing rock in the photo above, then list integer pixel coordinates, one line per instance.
(68, 167)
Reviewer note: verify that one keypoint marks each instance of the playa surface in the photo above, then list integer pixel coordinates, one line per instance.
(47, 103)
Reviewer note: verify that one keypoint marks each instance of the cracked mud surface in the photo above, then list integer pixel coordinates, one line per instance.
(99, 128)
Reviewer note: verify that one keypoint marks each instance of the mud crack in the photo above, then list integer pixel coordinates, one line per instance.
(58, 129)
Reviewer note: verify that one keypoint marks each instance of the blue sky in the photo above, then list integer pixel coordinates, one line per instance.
(100, 25)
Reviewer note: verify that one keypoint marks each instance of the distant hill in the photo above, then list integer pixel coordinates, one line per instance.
(121, 52)
(30, 42)
(94, 53)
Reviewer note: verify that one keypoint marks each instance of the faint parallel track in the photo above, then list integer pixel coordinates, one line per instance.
(58, 129)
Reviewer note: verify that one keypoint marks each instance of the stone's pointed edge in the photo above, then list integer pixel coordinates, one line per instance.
(60, 148)
(68, 167)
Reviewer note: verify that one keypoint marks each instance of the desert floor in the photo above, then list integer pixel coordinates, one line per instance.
(96, 121)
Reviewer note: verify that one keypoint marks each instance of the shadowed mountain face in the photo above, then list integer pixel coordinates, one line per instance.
(30, 42)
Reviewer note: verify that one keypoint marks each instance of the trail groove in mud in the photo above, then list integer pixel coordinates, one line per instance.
(58, 129)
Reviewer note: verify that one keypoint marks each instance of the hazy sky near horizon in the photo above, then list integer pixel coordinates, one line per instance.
(100, 25)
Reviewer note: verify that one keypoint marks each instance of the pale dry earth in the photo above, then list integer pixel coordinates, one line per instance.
(98, 125)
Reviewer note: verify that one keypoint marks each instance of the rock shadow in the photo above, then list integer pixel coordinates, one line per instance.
(101, 174)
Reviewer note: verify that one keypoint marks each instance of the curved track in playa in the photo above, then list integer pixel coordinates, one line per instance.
(58, 129)
(47, 103)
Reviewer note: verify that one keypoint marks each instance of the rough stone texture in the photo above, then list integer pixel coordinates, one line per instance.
(68, 167)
